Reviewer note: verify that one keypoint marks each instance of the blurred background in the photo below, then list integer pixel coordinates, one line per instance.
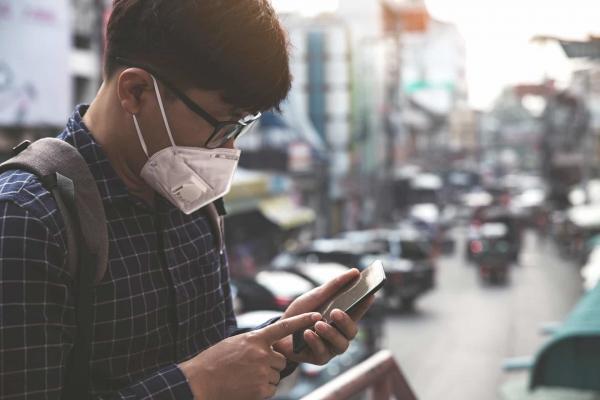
(456, 140)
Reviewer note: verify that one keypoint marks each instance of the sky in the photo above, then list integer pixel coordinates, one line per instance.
(497, 37)
(308, 7)
(498, 42)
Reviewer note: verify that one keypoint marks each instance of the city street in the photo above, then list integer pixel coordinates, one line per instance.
(454, 344)
(230, 161)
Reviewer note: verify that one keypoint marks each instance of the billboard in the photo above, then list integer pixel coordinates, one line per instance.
(35, 82)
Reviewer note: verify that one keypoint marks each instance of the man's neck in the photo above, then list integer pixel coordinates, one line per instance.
(114, 136)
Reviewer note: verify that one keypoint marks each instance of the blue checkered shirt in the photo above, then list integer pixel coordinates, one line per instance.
(165, 296)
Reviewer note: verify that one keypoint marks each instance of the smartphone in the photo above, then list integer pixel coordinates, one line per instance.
(371, 279)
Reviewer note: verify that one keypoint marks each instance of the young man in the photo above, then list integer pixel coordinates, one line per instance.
(154, 140)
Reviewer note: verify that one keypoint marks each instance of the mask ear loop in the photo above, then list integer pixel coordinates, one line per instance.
(139, 132)
(164, 115)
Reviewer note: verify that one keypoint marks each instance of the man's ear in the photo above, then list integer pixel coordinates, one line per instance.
(133, 87)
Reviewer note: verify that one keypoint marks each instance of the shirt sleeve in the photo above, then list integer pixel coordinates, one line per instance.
(37, 317)
(167, 384)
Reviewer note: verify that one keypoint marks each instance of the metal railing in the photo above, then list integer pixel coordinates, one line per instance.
(380, 373)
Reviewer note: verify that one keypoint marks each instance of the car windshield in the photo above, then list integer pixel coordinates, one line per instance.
(408, 249)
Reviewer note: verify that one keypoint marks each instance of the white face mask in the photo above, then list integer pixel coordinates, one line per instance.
(189, 177)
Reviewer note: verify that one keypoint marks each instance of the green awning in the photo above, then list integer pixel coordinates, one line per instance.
(571, 358)
(517, 388)
(592, 242)
(589, 49)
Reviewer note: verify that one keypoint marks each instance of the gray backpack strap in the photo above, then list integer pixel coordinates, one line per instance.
(78, 375)
(216, 224)
(54, 157)
(64, 172)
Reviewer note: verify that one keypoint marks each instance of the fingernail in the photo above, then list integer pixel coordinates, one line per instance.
(336, 315)
(315, 317)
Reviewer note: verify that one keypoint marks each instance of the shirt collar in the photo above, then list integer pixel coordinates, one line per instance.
(110, 185)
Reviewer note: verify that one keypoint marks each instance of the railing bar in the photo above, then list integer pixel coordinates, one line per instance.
(401, 388)
(381, 389)
(367, 374)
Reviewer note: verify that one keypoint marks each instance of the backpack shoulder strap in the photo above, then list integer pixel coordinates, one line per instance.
(217, 226)
(65, 173)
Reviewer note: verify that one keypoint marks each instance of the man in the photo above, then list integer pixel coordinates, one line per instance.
(156, 145)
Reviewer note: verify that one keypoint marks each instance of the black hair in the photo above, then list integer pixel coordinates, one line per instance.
(237, 47)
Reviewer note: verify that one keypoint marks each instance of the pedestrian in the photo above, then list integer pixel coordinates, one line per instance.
(182, 80)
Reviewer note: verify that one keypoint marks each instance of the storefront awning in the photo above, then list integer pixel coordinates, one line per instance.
(589, 49)
(572, 357)
(283, 212)
(248, 184)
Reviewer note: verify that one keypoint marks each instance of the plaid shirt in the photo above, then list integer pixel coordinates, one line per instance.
(164, 298)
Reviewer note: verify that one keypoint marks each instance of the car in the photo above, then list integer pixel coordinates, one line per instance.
(406, 280)
(494, 258)
(434, 222)
(286, 286)
(472, 202)
(338, 250)
(249, 295)
(460, 181)
(406, 257)
(494, 214)
(406, 242)
(425, 188)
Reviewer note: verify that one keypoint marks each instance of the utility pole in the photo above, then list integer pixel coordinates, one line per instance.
(100, 7)
(393, 100)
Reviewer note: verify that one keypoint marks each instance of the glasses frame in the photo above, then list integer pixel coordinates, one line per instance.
(243, 125)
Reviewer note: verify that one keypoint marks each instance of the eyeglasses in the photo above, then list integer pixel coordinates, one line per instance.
(223, 132)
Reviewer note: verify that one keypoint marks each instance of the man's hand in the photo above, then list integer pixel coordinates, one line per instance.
(244, 366)
(328, 341)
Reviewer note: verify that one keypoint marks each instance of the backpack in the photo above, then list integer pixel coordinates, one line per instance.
(65, 174)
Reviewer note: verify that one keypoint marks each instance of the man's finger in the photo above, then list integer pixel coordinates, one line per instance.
(330, 288)
(361, 309)
(318, 348)
(278, 361)
(274, 377)
(344, 323)
(338, 343)
(287, 326)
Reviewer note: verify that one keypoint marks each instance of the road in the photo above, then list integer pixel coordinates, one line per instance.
(453, 345)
